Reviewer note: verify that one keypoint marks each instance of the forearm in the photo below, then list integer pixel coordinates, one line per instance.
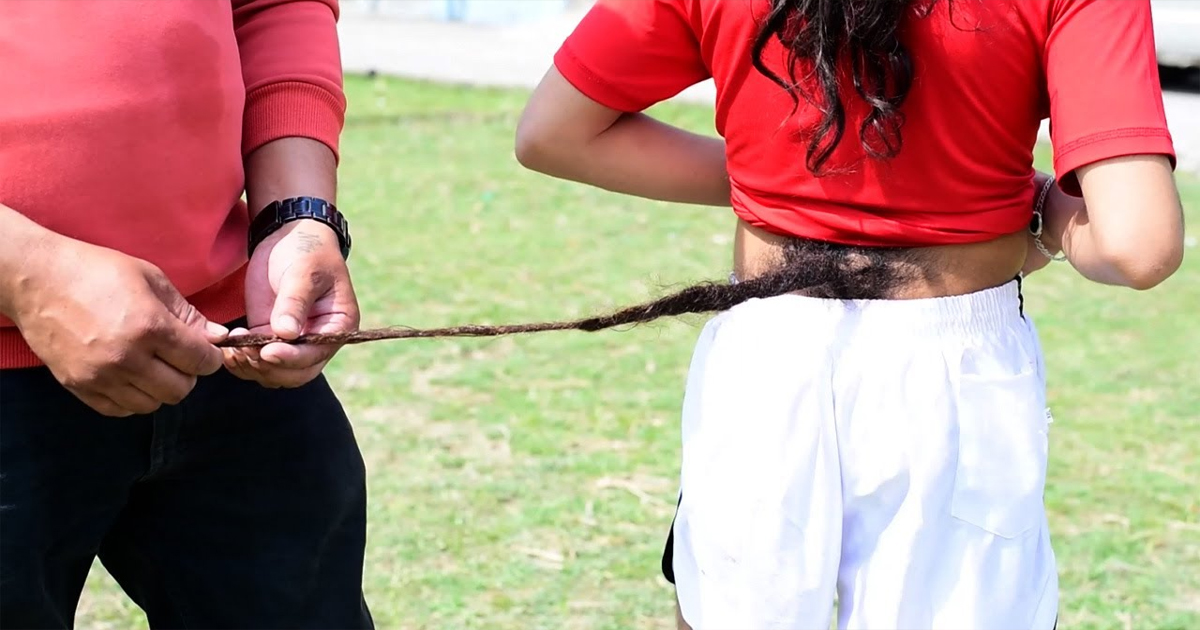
(295, 105)
(290, 167)
(640, 156)
(1068, 228)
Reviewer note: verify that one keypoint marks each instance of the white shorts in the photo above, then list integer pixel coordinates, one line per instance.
(890, 452)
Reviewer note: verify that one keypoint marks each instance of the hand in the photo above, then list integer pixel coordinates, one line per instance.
(113, 329)
(1035, 260)
(1060, 209)
(297, 282)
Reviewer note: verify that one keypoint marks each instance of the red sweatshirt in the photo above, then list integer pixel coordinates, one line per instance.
(125, 124)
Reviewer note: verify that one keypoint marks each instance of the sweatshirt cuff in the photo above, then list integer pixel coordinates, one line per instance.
(293, 109)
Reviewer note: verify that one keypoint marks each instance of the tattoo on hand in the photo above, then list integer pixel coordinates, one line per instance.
(309, 243)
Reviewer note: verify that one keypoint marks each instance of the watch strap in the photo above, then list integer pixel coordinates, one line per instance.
(284, 211)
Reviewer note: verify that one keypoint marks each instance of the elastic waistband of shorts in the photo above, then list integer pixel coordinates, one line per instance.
(982, 313)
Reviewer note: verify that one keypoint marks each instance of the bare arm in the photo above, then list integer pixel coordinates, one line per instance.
(296, 281)
(290, 167)
(567, 135)
(1127, 230)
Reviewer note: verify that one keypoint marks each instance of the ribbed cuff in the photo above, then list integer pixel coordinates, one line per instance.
(14, 352)
(293, 109)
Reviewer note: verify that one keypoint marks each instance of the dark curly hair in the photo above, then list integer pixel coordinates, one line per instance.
(821, 37)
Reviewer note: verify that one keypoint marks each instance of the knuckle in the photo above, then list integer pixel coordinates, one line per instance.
(77, 382)
(143, 408)
(177, 394)
(104, 406)
(266, 380)
(112, 411)
(87, 378)
(294, 379)
(296, 300)
(146, 328)
(123, 356)
(280, 381)
(208, 363)
(201, 362)
(190, 314)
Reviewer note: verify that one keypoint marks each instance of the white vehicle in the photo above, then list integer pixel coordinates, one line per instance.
(1177, 31)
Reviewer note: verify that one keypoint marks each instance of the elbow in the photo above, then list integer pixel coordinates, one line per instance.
(534, 147)
(1143, 268)
(1147, 276)
(1146, 279)
(529, 150)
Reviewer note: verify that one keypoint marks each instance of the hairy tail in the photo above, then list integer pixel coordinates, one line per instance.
(705, 297)
(819, 269)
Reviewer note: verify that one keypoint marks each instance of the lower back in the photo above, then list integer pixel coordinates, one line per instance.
(858, 272)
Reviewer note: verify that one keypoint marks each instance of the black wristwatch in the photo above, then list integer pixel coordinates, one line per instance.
(279, 213)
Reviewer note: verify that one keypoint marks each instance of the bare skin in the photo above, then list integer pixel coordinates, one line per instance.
(945, 270)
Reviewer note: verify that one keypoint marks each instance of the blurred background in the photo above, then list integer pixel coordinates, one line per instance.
(527, 483)
(510, 42)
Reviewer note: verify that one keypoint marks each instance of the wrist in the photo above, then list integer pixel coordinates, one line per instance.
(278, 214)
(29, 248)
(1040, 232)
(290, 167)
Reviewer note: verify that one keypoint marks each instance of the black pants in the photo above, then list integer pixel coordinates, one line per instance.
(242, 507)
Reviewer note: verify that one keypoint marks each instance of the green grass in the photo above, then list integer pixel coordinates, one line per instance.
(528, 482)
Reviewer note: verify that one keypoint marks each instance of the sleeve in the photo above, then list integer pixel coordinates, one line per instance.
(631, 54)
(1102, 81)
(292, 67)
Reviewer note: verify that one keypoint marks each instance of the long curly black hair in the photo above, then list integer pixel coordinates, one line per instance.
(825, 38)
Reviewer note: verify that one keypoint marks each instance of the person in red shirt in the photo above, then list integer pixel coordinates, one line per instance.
(218, 497)
(866, 416)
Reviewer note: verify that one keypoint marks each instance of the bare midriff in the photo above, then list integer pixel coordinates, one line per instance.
(935, 271)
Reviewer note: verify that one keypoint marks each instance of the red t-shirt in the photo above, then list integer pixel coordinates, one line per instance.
(985, 75)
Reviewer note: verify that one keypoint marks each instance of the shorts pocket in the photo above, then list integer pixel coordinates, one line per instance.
(1000, 475)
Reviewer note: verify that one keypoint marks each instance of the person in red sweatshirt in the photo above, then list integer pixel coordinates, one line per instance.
(221, 488)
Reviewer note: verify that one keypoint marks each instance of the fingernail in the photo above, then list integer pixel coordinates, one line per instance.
(216, 329)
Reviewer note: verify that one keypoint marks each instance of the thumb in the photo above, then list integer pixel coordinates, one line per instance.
(213, 332)
(298, 291)
(180, 346)
(191, 316)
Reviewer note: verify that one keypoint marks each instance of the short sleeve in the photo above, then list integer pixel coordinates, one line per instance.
(631, 54)
(1103, 84)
